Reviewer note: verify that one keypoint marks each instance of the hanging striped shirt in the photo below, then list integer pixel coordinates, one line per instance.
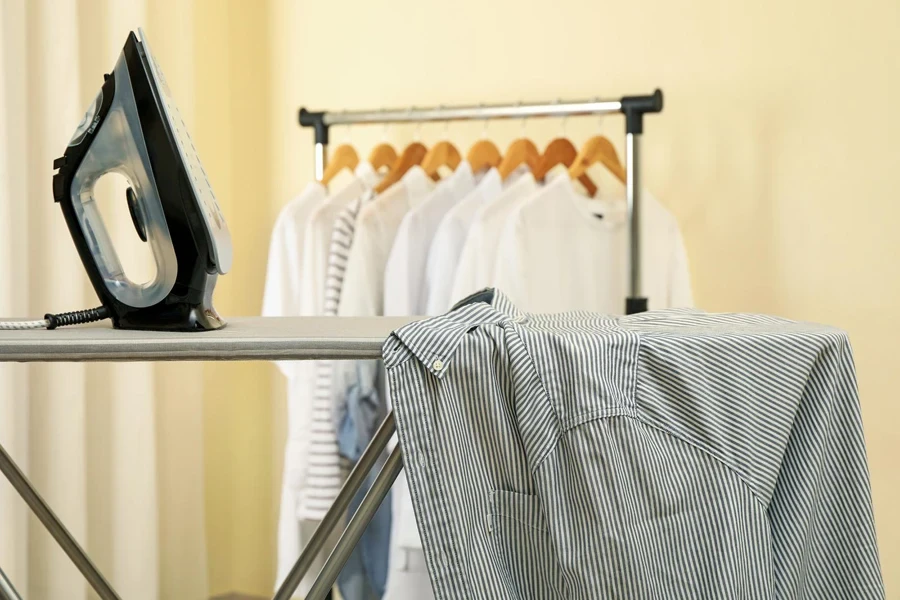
(326, 469)
(672, 454)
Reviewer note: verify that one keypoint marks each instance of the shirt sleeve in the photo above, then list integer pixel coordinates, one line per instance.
(465, 279)
(308, 302)
(443, 258)
(360, 296)
(398, 272)
(823, 530)
(281, 295)
(509, 271)
(282, 271)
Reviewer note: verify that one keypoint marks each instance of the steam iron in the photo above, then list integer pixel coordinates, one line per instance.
(134, 128)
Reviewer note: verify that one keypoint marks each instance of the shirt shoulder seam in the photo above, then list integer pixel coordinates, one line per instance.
(758, 495)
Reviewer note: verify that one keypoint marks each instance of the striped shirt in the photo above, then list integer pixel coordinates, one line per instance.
(325, 468)
(672, 454)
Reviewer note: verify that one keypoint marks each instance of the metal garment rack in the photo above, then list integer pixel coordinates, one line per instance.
(260, 338)
(633, 107)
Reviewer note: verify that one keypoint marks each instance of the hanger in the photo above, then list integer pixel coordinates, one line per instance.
(598, 149)
(343, 157)
(561, 151)
(411, 156)
(382, 155)
(442, 154)
(521, 152)
(483, 155)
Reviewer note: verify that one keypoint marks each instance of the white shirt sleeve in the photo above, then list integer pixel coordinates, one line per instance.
(361, 293)
(465, 279)
(282, 271)
(443, 259)
(509, 266)
(308, 294)
(399, 295)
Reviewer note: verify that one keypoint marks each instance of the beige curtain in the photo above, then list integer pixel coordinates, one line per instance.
(116, 450)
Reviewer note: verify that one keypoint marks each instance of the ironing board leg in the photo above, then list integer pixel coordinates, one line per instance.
(7, 591)
(357, 526)
(55, 527)
(339, 508)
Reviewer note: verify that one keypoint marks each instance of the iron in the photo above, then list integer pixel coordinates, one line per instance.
(134, 128)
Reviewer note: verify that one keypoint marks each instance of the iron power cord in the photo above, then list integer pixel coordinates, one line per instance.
(52, 321)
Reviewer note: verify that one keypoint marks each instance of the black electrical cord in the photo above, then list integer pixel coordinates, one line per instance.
(52, 321)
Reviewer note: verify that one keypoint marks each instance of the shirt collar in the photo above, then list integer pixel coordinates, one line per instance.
(490, 185)
(366, 174)
(434, 341)
(417, 182)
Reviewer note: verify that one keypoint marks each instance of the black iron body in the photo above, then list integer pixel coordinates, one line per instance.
(188, 306)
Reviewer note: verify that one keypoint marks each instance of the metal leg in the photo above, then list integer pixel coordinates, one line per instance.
(7, 591)
(339, 508)
(357, 526)
(55, 527)
(320, 158)
(636, 302)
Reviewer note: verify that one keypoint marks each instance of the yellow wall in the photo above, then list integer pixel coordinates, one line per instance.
(232, 134)
(777, 150)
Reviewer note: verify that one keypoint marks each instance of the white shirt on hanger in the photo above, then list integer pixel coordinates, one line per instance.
(323, 477)
(317, 238)
(404, 273)
(445, 249)
(475, 269)
(376, 228)
(284, 271)
(558, 254)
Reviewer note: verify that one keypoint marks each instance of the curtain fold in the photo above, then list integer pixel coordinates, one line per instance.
(115, 449)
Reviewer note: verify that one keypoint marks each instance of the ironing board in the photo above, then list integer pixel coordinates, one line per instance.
(245, 338)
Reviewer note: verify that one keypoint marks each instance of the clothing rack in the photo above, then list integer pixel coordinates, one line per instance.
(633, 107)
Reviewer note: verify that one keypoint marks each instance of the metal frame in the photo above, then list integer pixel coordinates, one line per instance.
(633, 107)
(244, 340)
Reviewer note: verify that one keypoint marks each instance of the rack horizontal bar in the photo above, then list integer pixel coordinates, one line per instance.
(462, 113)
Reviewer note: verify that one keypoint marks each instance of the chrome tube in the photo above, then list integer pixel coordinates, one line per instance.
(467, 113)
(52, 523)
(357, 526)
(633, 198)
(7, 591)
(319, 160)
(338, 508)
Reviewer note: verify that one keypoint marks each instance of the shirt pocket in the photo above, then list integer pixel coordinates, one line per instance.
(524, 547)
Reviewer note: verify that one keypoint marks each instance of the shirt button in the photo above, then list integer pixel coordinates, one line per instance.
(437, 365)
(420, 460)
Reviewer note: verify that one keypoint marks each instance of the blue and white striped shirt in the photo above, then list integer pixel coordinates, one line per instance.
(672, 454)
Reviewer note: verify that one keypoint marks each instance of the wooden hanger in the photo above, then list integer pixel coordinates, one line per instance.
(521, 152)
(598, 149)
(561, 151)
(411, 156)
(343, 157)
(442, 154)
(483, 155)
(382, 155)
